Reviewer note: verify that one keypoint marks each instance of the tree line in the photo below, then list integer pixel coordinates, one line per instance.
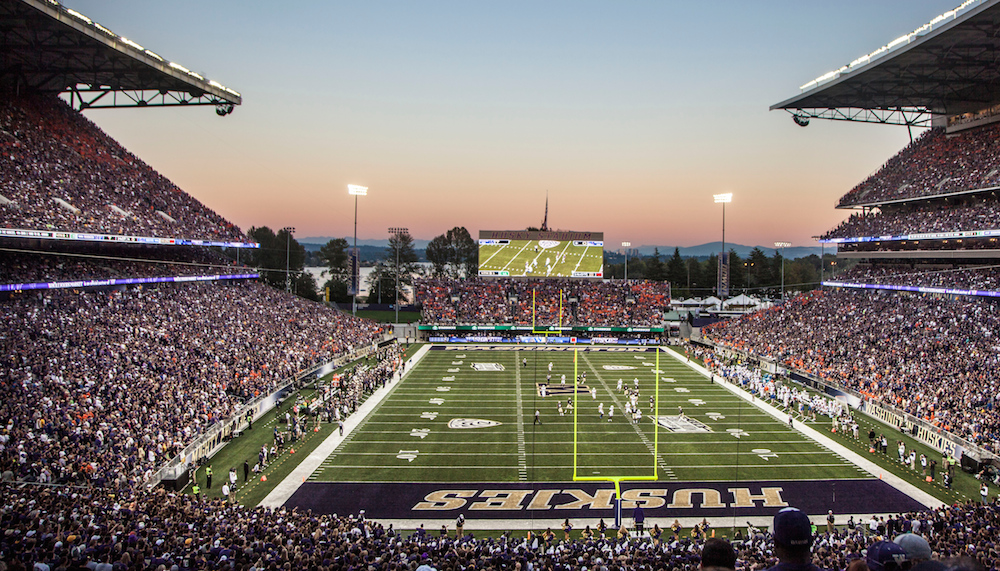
(455, 254)
(756, 274)
(281, 260)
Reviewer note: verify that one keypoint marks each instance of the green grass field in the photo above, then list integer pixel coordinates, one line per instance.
(408, 438)
(542, 258)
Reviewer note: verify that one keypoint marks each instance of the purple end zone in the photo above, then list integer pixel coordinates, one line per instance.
(559, 500)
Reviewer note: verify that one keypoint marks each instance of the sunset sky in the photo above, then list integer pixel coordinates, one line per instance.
(630, 114)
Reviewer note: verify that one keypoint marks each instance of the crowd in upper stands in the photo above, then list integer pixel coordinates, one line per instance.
(973, 278)
(59, 171)
(66, 528)
(548, 302)
(21, 267)
(932, 164)
(940, 218)
(103, 387)
(938, 359)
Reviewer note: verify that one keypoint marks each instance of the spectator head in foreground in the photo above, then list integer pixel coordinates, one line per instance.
(918, 552)
(793, 539)
(887, 556)
(718, 555)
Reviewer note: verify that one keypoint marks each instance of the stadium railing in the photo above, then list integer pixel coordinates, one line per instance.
(212, 440)
(933, 436)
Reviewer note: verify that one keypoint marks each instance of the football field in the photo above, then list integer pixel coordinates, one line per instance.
(460, 432)
(541, 258)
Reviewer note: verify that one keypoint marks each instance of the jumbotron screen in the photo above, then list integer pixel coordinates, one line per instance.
(523, 253)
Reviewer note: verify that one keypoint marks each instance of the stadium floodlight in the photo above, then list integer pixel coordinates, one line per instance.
(131, 43)
(724, 199)
(781, 246)
(626, 245)
(398, 232)
(906, 39)
(78, 16)
(356, 191)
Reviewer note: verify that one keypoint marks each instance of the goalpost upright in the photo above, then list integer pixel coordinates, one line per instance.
(616, 480)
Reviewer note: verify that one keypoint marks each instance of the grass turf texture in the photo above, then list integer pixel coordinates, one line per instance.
(248, 444)
(407, 438)
(564, 258)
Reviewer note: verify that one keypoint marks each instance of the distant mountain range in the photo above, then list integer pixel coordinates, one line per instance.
(700, 251)
(712, 248)
(321, 240)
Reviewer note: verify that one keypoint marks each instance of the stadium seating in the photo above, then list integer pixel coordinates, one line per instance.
(934, 358)
(101, 388)
(59, 171)
(969, 278)
(934, 164)
(983, 215)
(161, 530)
(23, 267)
(613, 303)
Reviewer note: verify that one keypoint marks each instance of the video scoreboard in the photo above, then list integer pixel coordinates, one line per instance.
(535, 254)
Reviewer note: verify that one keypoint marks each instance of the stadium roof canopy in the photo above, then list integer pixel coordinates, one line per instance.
(45, 46)
(946, 67)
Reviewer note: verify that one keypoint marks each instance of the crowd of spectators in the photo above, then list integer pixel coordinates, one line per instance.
(934, 163)
(345, 396)
(66, 528)
(18, 267)
(926, 219)
(935, 358)
(985, 278)
(59, 171)
(100, 388)
(518, 302)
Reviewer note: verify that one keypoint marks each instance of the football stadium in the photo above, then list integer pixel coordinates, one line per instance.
(173, 400)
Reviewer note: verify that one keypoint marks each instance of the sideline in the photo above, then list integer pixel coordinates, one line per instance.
(858, 460)
(284, 490)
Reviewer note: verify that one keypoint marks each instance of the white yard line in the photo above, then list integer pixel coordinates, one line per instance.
(486, 263)
(284, 490)
(514, 257)
(821, 439)
(582, 256)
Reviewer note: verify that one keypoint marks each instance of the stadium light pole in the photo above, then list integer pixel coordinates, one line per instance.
(356, 191)
(781, 247)
(626, 245)
(288, 256)
(723, 199)
(397, 232)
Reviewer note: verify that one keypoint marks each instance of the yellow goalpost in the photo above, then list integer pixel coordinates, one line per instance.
(616, 480)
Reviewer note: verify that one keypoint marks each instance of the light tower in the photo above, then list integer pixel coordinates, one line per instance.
(356, 191)
(288, 230)
(781, 247)
(626, 245)
(723, 199)
(398, 232)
